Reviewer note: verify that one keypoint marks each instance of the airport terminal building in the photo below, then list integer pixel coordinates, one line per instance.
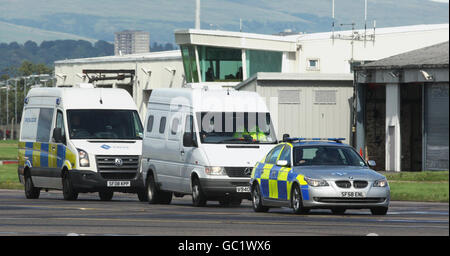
(307, 79)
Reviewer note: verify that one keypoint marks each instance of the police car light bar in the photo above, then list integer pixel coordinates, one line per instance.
(337, 140)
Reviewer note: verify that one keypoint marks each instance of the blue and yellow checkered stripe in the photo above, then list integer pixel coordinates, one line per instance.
(45, 155)
(276, 182)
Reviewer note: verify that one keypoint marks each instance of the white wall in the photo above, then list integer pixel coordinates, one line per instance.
(160, 77)
(335, 55)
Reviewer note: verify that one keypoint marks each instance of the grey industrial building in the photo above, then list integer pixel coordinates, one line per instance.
(402, 119)
(306, 105)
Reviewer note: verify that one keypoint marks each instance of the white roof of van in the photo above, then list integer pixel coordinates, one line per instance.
(210, 100)
(85, 98)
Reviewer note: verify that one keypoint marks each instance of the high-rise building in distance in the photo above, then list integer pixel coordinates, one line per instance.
(131, 41)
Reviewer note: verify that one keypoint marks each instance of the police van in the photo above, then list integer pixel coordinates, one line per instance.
(203, 141)
(80, 140)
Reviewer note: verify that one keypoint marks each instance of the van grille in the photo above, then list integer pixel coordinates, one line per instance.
(238, 171)
(108, 169)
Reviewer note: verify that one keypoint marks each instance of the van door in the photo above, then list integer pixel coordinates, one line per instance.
(173, 148)
(57, 151)
(187, 154)
(42, 175)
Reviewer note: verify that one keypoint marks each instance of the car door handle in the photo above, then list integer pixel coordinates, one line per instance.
(182, 152)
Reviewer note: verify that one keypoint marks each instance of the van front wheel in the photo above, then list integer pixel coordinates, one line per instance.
(31, 192)
(68, 190)
(198, 197)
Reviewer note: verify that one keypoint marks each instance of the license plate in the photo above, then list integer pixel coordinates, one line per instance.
(243, 189)
(118, 183)
(352, 194)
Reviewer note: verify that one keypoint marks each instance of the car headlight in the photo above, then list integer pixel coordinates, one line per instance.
(83, 157)
(210, 170)
(380, 183)
(316, 182)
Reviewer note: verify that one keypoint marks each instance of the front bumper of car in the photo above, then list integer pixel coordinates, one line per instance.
(351, 198)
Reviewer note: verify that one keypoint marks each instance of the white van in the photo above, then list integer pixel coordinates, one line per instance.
(204, 141)
(80, 140)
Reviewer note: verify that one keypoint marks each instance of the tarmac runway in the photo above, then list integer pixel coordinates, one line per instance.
(126, 216)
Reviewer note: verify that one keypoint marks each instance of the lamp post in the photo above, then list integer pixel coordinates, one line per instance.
(7, 106)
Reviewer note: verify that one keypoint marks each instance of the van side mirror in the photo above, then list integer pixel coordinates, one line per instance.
(188, 140)
(372, 163)
(282, 163)
(57, 135)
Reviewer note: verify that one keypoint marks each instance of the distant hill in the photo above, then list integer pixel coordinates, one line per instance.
(17, 33)
(13, 54)
(101, 18)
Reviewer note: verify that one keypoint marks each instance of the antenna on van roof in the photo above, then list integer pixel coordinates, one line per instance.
(101, 101)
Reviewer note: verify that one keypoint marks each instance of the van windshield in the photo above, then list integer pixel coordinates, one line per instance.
(104, 124)
(235, 128)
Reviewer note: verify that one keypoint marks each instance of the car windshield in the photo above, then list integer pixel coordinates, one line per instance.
(326, 155)
(236, 128)
(104, 124)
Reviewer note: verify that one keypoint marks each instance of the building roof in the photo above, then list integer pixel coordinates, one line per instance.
(277, 76)
(152, 56)
(379, 31)
(432, 56)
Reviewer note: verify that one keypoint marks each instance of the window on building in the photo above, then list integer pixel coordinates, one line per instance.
(313, 64)
(263, 61)
(189, 63)
(220, 64)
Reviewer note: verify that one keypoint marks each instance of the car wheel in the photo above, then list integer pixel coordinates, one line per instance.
(68, 192)
(31, 192)
(198, 197)
(379, 210)
(257, 200)
(297, 202)
(106, 195)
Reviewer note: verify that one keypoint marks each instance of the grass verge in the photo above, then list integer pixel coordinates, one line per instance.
(9, 178)
(419, 191)
(8, 149)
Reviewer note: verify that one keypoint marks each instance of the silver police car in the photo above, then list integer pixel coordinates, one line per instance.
(316, 173)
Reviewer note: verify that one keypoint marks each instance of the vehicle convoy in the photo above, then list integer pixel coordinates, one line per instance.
(80, 140)
(203, 141)
(317, 173)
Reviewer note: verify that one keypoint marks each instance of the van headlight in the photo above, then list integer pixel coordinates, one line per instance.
(214, 170)
(380, 183)
(83, 157)
(316, 182)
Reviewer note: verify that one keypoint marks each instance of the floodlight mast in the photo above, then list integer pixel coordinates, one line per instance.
(197, 14)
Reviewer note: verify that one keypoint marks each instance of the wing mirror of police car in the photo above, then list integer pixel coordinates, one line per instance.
(282, 163)
(372, 163)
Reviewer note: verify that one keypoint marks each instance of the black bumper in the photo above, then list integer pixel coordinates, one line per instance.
(88, 181)
(219, 188)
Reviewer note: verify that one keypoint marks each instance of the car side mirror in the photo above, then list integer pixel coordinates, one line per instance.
(372, 163)
(57, 135)
(188, 140)
(282, 163)
(285, 136)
